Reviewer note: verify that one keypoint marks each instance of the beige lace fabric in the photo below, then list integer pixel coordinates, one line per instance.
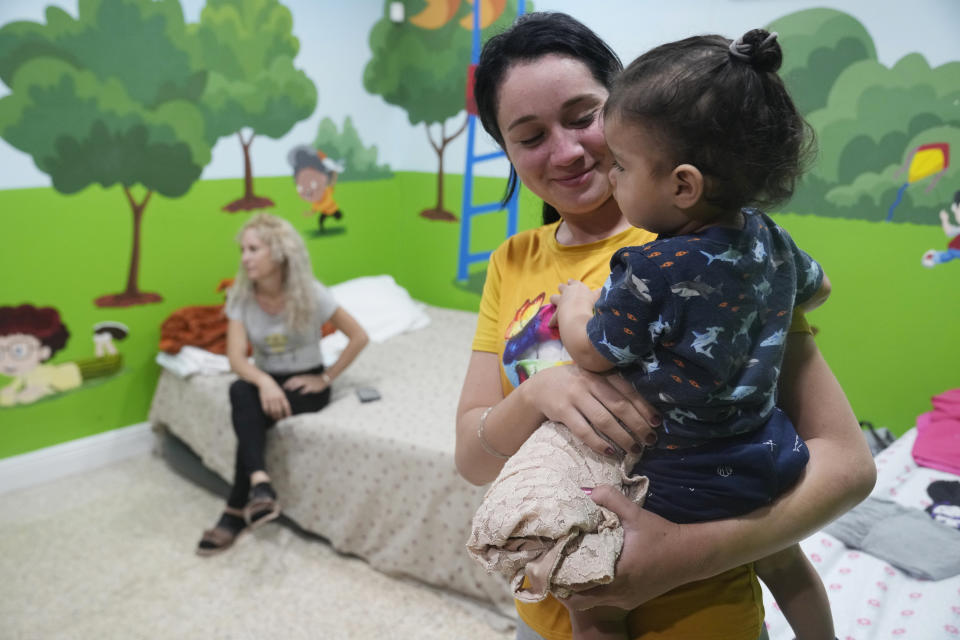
(536, 521)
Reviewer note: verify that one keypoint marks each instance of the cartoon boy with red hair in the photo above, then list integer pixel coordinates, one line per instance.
(29, 336)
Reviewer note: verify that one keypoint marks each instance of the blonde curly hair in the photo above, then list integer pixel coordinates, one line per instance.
(286, 247)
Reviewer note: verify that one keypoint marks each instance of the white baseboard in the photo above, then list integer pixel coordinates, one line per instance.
(84, 454)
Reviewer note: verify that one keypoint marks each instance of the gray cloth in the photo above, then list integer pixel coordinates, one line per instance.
(277, 349)
(906, 538)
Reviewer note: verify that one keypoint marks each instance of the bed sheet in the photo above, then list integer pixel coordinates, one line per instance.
(870, 598)
(376, 479)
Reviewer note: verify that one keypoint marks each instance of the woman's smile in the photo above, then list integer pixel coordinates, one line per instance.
(575, 180)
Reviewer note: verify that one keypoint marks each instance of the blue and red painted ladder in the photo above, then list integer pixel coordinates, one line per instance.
(471, 210)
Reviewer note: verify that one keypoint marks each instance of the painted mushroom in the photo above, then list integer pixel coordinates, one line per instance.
(104, 333)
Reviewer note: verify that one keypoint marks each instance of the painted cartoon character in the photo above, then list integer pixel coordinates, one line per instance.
(946, 502)
(104, 333)
(532, 344)
(316, 175)
(952, 231)
(29, 337)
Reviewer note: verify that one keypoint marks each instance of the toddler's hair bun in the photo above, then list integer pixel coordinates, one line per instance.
(760, 48)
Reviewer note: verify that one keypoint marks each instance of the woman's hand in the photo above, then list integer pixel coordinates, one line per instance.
(658, 555)
(357, 339)
(602, 410)
(273, 399)
(307, 383)
(652, 561)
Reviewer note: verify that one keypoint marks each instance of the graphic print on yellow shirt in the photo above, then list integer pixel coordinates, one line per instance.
(531, 343)
(515, 309)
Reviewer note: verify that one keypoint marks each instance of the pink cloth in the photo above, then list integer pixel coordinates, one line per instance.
(938, 434)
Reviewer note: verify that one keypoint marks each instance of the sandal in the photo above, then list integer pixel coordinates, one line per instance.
(262, 507)
(229, 527)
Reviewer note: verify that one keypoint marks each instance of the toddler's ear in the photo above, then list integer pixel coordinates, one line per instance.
(687, 185)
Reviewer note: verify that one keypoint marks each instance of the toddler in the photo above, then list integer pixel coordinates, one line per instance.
(701, 132)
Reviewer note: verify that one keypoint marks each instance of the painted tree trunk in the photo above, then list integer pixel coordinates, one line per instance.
(438, 212)
(250, 200)
(132, 294)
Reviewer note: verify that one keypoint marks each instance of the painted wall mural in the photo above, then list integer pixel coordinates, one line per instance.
(316, 176)
(29, 339)
(252, 86)
(933, 257)
(421, 65)
(871, 120)
(148, 123)
(926, 161)
(91, 108)
(359, 162)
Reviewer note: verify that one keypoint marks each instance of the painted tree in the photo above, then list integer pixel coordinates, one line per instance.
(110, 98)
(819, 44)
(421, 65)
(248, 48)
(346, 145)
(868, 117)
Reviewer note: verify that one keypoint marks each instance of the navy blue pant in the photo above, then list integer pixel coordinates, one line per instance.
(250, 423)
(726, 478)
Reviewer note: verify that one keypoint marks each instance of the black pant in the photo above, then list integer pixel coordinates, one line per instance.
(250, 423)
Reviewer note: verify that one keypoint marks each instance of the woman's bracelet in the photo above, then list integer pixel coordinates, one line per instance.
(326, 377)
(483, 441)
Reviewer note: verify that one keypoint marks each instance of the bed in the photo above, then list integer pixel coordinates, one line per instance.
(871, 599)
(376, 479)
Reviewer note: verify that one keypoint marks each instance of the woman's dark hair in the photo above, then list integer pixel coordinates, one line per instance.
(533, 36)
(721, 107)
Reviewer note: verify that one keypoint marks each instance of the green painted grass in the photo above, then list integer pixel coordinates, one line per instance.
(888, 330)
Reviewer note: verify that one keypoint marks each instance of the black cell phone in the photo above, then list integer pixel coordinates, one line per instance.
(367, 394)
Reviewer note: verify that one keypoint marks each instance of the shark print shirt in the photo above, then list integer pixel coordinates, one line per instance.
(698, 324)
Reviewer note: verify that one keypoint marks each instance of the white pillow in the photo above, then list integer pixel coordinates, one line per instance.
(381, 306)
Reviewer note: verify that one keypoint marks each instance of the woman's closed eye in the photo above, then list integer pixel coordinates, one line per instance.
(585, 120)
(531, 140)
(617, 165)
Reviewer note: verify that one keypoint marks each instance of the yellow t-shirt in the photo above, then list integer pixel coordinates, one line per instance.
(522, 275)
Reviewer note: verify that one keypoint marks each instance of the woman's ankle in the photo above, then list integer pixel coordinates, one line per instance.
(259, 477)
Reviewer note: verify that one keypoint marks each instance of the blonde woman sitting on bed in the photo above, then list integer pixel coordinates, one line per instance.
(278, 306)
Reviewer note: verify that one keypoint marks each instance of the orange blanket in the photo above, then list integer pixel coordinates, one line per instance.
(199, 326)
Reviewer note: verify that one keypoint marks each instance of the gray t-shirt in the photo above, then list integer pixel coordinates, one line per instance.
(276, 348)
